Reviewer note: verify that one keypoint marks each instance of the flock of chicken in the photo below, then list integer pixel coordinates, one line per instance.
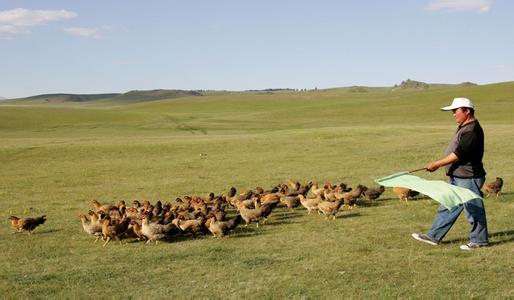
(193, 215)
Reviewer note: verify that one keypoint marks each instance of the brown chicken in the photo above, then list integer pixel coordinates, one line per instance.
(373, 194)
(193, 226)
(404, 194)
(310, 203)
(106, 208)
(28, 224)
(93, 226)
(267, 208)
(137, 230)
(329, 208)
(154, 231)
(290, 201)
(220, 228)
(268, 198)
(494, 188)
(114, 231)
(316, 190)
(250, 215)
(350, 198)
(295, 185)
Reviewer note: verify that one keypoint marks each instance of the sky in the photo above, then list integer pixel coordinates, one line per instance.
(114, 46)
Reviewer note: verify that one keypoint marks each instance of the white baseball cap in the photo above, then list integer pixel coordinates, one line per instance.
(458, 103)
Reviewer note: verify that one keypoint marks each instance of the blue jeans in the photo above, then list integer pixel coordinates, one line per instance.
(475, 213)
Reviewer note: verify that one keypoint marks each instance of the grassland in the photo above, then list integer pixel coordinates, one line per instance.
(55, 158)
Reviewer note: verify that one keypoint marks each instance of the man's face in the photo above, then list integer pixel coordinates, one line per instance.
(460, 115)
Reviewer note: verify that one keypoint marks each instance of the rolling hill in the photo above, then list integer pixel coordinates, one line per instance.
(129, 97)
(135, 96)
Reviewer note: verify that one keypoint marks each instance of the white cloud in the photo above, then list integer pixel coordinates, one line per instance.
(20, 19)
(84, 32)
(8, 29)
(480, 6)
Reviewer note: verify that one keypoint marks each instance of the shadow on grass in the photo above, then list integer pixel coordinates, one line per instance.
(49, 231)
(286, 214)
(374, 203)
(247, 231)
(508, 237)
(350, 215)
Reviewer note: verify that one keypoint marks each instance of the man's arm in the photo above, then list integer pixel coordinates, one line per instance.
(450, 159)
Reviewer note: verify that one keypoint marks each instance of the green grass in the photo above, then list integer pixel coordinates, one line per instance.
(55, 158)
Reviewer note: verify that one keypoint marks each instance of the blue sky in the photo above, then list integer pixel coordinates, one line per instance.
(97, 46)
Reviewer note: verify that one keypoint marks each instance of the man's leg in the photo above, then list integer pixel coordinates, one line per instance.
(443, 221)
(475, 214)
(475, 211)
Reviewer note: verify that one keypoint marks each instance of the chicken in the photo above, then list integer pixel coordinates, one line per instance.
(106, 208)
(154, 231)
(268, 198)
(193, 226)
(494, 188)
(267, 208)
(310, 203)
(329, 195)
(137, 230)
(93, 226)
(304, 189)
(256, 214)
(329, 208)
(290, 201)
(28, 224)
(350, 197)
(220, 228)
(404, 193)
(295, 185)
(249, 203)
(133, 213)
(317, 191)
(344, 187)
(231, 197)
(114, 231)
(329, 191)
(373, 194)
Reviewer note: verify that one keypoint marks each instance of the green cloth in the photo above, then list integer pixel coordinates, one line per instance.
(448, 195)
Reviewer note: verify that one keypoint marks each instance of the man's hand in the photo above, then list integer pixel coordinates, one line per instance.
(431, 167)
(450, 159)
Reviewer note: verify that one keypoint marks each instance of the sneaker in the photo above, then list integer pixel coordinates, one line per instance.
(424, 238)
(471, 246)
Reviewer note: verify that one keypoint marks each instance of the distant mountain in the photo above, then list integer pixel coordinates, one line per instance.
(136, 96)
(419, 85)
(129, 97)
(2, 98)
(412, 84)
(60, 98)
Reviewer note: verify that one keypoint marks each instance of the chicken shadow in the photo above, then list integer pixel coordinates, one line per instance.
(287, 214)
(375, 203)
(49, 231)
(243, 231)
(349, 215)
(276, 221)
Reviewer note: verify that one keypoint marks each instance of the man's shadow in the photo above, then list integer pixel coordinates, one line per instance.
(503, 236)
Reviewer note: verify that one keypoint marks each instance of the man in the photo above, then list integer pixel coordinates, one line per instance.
(463, 164)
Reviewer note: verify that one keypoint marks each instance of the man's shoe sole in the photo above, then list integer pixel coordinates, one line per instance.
(468, 248)
(417, 237)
